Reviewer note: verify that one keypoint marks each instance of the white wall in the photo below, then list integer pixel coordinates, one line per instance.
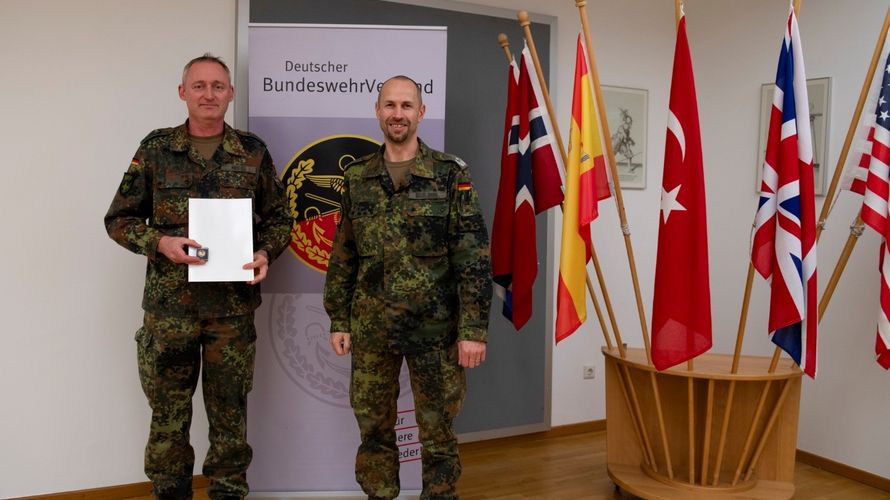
(82, 82)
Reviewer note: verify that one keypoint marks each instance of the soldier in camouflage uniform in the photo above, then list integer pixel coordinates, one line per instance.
(408, 278)
(197, 326)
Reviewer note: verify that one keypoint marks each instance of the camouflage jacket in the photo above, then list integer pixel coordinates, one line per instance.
(409, 269)
(152, 201)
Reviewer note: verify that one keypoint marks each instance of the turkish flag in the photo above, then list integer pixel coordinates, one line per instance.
(681, 309)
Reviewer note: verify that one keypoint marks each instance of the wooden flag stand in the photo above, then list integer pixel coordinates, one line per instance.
(754, 465)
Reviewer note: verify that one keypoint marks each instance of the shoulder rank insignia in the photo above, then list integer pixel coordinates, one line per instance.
(127, 183)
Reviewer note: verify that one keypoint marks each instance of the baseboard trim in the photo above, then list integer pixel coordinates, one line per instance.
(112, 492)
(554, 432)
(864, 477)
(579, 428)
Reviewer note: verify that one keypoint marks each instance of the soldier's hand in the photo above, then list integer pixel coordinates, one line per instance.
(470, 353)
(173, 247)
(340, 342)
(260, 266)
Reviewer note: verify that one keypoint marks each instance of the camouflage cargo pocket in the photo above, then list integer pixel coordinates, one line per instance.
(428, 227)
(145, 358)
(366, 228)
(171, 200)
(235, 183)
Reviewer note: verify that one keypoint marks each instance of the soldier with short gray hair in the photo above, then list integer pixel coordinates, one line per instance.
(197, 328)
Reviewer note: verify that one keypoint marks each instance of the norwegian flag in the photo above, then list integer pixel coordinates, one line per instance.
(531, 182)
(875, 203)
(784, 242)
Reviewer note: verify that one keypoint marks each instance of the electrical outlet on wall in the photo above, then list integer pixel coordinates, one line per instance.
(589, 371)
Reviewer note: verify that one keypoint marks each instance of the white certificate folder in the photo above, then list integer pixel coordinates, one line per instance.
(225, 228)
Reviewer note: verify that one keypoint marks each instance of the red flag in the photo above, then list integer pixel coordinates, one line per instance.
(681, 309)
(530, 183)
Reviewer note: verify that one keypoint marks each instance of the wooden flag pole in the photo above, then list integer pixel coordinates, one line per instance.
(606, 136)
(632, 401)
(633, 407)
(619, 200)
(626, 384)
(525, 23)
(690, 364)
(706, 442)
(638, 427)
(760, 404)
(740, 335)
(857, 227)
(737, 354)
(769, 427)
(505, 44)
(856, 230)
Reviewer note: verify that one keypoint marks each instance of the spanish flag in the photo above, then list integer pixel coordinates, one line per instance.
(586, 184)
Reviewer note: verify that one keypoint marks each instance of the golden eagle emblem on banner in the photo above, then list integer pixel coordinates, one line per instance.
(314, 184)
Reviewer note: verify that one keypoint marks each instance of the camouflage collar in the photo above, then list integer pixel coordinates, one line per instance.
(179, 141)
(423, 164)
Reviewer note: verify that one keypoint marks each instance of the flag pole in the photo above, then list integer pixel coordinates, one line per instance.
(854, 122)
(690, 363)
(526, 27)
(740, 335)
(505, 44)
(626, 383)
(857, 227)
(856, 230)
(760, 404)
(619, 201)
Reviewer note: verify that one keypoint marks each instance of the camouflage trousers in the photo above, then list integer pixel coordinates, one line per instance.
(439, 386)
(171, 352)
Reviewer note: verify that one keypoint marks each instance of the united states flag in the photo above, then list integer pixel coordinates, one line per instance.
(531, 182)
(784, 242)
(875, 204)
(857, 162)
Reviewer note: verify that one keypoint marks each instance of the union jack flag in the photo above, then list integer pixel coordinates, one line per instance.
(784, 242)
(875, 204)
(531, 182)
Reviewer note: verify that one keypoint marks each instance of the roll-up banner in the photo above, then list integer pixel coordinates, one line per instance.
(311, 99)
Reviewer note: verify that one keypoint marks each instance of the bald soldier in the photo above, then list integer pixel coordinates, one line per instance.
(408, 278)
(192, 328)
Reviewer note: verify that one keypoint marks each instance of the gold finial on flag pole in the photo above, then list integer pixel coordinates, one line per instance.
(505, 44)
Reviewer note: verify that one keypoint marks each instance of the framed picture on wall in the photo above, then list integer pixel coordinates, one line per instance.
(819, 93)
(626, 112)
